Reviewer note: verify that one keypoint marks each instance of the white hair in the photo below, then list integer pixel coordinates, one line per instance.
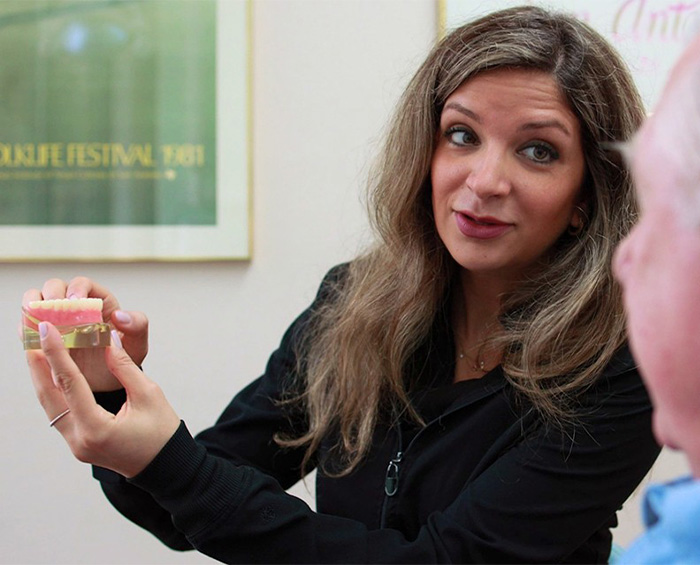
(682, 126)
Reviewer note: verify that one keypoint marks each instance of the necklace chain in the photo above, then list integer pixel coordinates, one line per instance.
(477, 364)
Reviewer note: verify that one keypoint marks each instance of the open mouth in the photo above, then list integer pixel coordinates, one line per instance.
(484, 227)
(482, 222)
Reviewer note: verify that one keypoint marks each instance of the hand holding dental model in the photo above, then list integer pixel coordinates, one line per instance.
(124, 442)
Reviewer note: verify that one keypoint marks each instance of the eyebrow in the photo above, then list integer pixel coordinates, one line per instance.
(544, 124)
(462, 110)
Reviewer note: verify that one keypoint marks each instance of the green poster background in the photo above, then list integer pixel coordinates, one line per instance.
(107, 112)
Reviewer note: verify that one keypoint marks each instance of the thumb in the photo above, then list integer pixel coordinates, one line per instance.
(123, 367)
(134, 330)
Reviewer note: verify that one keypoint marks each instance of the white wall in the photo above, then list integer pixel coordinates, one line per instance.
(326, 74)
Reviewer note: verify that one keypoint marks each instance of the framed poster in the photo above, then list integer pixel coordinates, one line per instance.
(124, 130)
(650, 34)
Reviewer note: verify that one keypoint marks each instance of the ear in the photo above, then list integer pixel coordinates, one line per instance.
(579, 216)
(578, 219)
(576, 223)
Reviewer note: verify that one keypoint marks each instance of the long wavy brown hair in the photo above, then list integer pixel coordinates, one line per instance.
(561, 327)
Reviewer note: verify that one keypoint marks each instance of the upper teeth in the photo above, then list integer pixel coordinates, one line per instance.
(481, 222)
(68, 304)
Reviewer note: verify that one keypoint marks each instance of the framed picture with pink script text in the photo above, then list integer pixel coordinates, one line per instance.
(650, 34)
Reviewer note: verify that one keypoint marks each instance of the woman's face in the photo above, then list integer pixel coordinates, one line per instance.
(507, 171)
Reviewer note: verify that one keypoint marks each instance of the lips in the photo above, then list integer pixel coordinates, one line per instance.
(480, 227)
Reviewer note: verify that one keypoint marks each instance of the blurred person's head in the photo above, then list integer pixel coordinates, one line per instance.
(659, 262)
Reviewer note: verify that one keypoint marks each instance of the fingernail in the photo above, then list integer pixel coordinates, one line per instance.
(43, 330)
(115, 339)
(122, 317)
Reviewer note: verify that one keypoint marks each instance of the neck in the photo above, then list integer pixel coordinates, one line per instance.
(693, 457)
(475, 317)
(695, 467)
(481, 302)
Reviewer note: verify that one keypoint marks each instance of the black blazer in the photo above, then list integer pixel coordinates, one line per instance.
(486, 481)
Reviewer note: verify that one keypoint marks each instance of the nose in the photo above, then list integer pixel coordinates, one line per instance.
(488, 176)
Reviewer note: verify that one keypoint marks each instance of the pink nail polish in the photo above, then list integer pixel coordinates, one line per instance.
(115, 339)
(122, 317)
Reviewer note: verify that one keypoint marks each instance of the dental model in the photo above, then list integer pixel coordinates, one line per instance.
(78, 320)
(66, 311)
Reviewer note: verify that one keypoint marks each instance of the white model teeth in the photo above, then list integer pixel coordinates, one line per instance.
(69, 304)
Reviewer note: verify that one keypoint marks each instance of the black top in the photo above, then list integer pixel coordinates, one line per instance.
(485, 481)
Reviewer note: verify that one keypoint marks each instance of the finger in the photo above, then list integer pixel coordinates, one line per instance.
(122, 366)
(66, 376)
(53, 288)
(83, 287)
(50, 398)
(30, 296)
(133, 327)
(144, 397)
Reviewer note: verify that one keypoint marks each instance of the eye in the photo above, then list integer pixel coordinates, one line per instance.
(540, 152)
(460, 135)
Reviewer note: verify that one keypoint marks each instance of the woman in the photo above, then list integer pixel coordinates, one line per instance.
(463, 387)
